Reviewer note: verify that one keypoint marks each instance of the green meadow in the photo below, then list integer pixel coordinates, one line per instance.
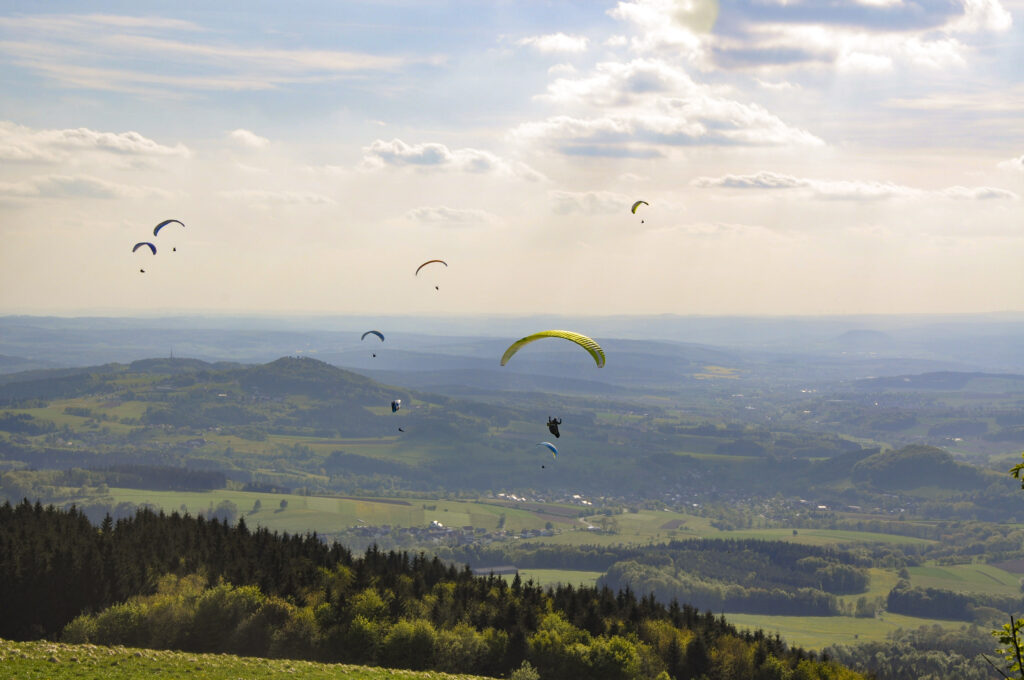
(56, 661)
(325, 514)
(816, 632)
(973, 578)
(554, 577)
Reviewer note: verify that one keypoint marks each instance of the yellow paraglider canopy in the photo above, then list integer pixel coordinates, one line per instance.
(593, 349)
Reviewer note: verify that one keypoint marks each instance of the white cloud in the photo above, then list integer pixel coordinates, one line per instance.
(642, 107)
(863, 36)
(248, 138)
(265, 197)
(450, 217)
(589, 202)
(845, 190)
(983, 15)
(21, 143)
(562, 70)
(667, 26)
(978, 193)
(864, 62)
(1013, 164)
(76, 186)
(778, 86)
(396, 153)
(556, 42)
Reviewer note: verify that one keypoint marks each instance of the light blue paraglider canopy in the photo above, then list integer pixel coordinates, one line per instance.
(550, 447)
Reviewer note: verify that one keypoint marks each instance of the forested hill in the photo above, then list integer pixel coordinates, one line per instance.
(185, 583)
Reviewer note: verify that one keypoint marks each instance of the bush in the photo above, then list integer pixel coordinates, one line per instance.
(525, 672)
(410, 644)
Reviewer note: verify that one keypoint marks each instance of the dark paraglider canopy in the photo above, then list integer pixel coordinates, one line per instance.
(395, 405)
(429, 262)
(553, 424)
(144, 243)
(157, 228)
(377, 333)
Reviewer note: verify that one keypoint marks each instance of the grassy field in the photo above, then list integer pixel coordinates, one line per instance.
(816, 632)
(55, 661)
(329, 514)
(553, 577)
(973, 578)
(649, 526)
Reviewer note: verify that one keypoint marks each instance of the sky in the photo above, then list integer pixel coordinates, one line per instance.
(797, 157)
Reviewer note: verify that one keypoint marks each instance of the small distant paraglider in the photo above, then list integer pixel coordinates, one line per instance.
(637, 205)
(145, 244)
(378, 334)
(592, 348)
(395, 405)
(157, 228)
(550, 447)
(553, 424)
(436, 287)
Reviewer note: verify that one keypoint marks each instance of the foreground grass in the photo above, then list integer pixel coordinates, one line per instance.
(56, 661)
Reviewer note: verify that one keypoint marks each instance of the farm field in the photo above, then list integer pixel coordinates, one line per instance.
(974, 578)
(817, 632)
(648, 526)
(56, 661)
(554, 577)
(325, 514)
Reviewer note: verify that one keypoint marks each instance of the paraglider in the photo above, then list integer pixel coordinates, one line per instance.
(550, 447)
(157, 228)
(395, 405)
(146, 244)
(553, 424)
(436, 287)
(592, 348)
(378, 334)
(401, 430)
(426, 263)
(637, 205)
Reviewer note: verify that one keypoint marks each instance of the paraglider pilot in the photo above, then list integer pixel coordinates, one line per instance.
(553, 424)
